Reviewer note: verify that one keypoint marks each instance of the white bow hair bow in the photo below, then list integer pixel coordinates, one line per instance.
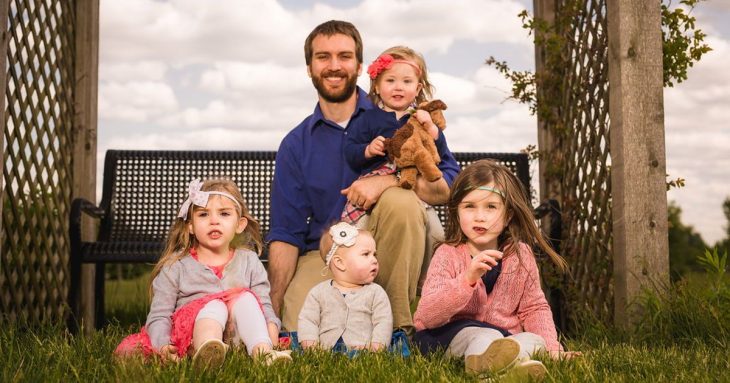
(200, 198)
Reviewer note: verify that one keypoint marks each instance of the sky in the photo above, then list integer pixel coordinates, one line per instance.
(230, 75)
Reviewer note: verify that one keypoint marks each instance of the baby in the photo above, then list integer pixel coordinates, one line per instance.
(349, 311)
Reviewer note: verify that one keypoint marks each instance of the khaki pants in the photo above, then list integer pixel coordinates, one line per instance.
(399, 223)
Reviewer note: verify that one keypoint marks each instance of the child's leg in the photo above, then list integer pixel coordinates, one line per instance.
(484, 349)
(210, 322)
(251, 324)
(251, 327)
(210, 351)
(529, 344)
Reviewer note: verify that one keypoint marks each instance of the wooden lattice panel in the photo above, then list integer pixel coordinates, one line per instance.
(37, 157)
(586, 179)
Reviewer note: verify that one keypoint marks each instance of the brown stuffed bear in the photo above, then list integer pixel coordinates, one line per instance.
(413, 150)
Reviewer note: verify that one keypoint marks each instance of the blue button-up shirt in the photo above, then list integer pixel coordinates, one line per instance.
(310, 172)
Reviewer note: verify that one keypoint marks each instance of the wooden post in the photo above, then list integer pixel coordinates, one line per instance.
(638, 166)
(549, 186)
(84, 133)
(4, 40)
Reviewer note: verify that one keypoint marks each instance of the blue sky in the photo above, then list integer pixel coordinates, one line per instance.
(230, 74)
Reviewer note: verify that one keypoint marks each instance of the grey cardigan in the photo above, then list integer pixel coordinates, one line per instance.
(187, 280)
(360, 317)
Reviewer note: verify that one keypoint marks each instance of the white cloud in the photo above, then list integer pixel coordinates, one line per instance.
(697, 141)
(227, 74)
(192, 31)
(138, 101)
(138, 71)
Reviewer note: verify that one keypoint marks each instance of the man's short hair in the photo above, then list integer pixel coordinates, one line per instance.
(331, 28)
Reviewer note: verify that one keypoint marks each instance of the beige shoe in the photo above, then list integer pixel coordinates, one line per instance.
(532, 370)
(272, 357)
(210, 354)
(500, 355)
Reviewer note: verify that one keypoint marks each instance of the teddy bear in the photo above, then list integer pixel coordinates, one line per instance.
(413, 150)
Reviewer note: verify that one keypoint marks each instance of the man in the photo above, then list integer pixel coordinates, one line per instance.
(312, 182)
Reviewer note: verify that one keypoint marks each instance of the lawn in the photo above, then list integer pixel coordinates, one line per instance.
(50, 354)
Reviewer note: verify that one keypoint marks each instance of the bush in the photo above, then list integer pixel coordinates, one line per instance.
(694, 309)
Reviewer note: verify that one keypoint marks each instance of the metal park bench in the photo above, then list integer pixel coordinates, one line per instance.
(143, 190)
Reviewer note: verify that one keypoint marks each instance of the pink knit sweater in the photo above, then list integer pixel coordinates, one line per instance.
(516, 303)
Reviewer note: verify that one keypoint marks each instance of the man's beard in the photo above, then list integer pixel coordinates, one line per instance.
(338, 96)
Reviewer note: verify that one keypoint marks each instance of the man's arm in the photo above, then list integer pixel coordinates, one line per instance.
(432, 193)
(282, 264)
(365, 192)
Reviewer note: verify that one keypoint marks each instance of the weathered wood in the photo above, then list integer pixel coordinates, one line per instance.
(85, 128)
(549, 187)
(638, 170)
(4, 40)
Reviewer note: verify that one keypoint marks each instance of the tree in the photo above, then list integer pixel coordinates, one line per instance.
(685, 245)
(724, 245)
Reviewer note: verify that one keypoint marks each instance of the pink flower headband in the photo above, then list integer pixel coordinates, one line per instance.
(384, 62)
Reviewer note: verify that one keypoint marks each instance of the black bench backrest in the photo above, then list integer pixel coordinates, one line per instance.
(143, 190)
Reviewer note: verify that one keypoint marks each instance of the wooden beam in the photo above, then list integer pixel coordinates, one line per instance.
(638, 163)
(4, 41)
(84, 134)
(549, 187)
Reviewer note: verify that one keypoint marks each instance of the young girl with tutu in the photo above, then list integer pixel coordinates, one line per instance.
(205, 290)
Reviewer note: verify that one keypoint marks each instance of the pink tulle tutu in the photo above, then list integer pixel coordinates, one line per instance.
(183, 320)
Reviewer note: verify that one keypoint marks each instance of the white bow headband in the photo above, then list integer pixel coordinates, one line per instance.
(343, 234)
(200, 198)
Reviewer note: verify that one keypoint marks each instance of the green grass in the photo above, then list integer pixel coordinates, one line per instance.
(683, 338)
(52, 355)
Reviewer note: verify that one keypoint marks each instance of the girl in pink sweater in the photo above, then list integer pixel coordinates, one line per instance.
(482, 297)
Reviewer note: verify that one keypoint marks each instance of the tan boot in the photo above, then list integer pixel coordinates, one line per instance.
(272, 357)
(500, 355)
(210, 354)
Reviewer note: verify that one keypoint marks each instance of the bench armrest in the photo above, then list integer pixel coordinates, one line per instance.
(79, 206)
(82, 205)
(551, 208)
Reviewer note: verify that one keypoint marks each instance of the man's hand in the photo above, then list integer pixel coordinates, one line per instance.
(365, 192)
(375, 148)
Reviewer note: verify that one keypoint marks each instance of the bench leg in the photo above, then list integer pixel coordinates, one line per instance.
(99, 319)
(74, 293)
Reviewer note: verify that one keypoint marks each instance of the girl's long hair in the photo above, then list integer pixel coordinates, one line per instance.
(180, 241)
(405, 53)
(520, 222)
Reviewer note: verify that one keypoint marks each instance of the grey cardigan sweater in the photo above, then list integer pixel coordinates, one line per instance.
(360, 317)
(187, 280)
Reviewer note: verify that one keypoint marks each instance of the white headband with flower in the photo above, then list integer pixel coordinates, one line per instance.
(200, 198)
(343, 234)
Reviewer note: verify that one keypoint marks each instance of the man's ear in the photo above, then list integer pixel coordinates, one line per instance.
(309, 70)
